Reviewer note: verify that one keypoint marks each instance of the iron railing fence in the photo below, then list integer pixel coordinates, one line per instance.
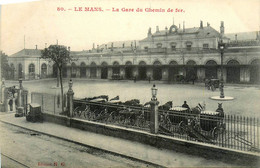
(113, 113)
(49, 103)
(229, 131)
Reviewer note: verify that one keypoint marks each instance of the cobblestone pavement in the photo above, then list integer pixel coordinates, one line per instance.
(246, 97)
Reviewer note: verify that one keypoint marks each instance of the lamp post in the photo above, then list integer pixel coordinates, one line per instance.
(154, 93)
(154, 123)
(221, 47)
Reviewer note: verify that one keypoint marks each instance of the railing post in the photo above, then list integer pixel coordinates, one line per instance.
(70, 95)
(20, 109)
(3, 91)
(154, 123)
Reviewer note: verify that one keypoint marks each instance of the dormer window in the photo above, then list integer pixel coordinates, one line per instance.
(173, 46)
(188, 45)
(146, 48)
(205, 46)
(159, 45)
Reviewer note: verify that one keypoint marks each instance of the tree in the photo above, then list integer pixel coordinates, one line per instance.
(60, 55)
(5, 68)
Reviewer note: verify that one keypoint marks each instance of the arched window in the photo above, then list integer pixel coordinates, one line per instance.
(31, 68)
(157, 63)
(43, 70)
(159, 45)
(116, 63)
(142, 63)
(211, 62)
(191, 62)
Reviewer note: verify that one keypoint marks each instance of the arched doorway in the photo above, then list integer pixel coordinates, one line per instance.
(31, 71)
(255, 71)
(93, 70)
(142, 70)
(211, 70)
(82, 70)
(43, 70)
(104, 70)
(157, 70)
(116, 68)
(191, 71)
(173, 71)
(54, 70)
(73, 70)
(233, 71)
(128, 70)
(20, 71)
(12, 70)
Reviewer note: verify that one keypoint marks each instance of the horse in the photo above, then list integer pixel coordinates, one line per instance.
(167, 106)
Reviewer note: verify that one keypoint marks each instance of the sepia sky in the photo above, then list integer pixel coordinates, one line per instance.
(41, 23)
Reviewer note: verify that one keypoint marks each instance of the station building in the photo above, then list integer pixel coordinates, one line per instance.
(168, 55)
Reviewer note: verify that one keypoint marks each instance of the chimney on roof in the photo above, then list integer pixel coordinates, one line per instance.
(236, 37)
(112, 46)
(45, 45)
(166, 30)
(208, 24)
(36, 47)
(183, 26)
(222, 28)
(93, 46)
(157, 28)
(135, 43)
(123, 45)
(106, 46)
(179, 26)
(201, 24)
(69, 48)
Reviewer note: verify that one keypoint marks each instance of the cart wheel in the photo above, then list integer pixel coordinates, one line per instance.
(214, 133)
(181, 127)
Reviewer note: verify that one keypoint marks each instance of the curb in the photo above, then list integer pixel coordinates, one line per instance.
(89, 146)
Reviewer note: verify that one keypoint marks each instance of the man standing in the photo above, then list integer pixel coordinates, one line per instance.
(185, 105)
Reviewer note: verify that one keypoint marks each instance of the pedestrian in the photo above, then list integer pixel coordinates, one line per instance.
(135, 79)
(185, 105)
(11, 104)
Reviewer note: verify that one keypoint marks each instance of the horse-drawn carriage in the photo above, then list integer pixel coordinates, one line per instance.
(212, 84)
(196, 123)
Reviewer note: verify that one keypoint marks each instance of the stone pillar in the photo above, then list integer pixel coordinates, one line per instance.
(165, 74)
(98, 73)
(247, 74)
(3, 90)
(88, 72)
(109, 73)
(135, 72)
(154, 123)
(19, 96)
(149, 72)
(77, 72)
(70, 95)
(122, 72)
(201, 74)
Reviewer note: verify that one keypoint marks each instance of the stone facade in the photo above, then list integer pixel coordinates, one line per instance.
(171, 55)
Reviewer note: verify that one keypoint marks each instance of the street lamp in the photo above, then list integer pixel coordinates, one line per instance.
(154, 92)
(221, 45)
